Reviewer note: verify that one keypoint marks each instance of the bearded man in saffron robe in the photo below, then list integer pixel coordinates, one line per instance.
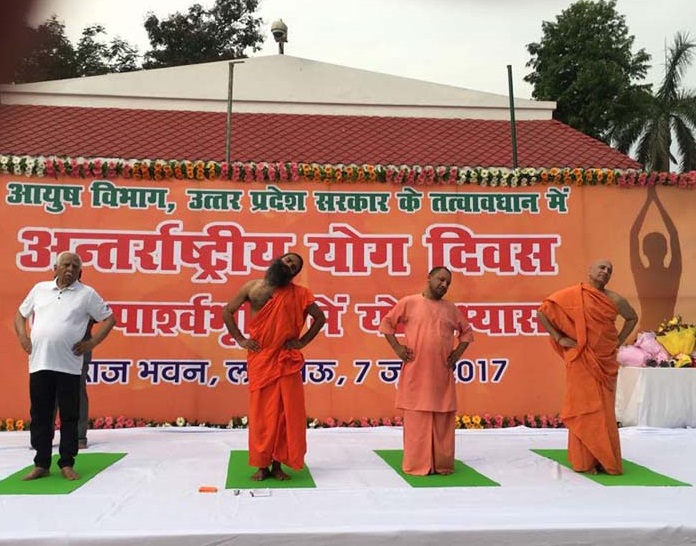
(277, 418)
(581, 322)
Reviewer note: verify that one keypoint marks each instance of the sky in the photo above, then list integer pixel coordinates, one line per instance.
(465, 43)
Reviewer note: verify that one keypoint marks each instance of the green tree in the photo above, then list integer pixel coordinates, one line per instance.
(665, 117)
(54, 57)
(585, 63)
(93, 56)
(50, 57)
(226, 31)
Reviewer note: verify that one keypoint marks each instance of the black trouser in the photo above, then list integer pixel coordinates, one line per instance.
(83, 421)
(45, 387)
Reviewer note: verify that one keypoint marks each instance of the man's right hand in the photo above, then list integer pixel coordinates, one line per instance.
(25, 342)
(567, 342)
(249, 344)
(404, 353)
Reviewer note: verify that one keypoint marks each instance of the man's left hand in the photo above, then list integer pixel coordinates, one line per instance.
(294, 344)
(82, 347)
(452, 359)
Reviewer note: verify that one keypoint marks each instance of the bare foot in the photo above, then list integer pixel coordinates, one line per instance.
(445, 472)
(261, 474)
(69, 473)
(36, 473)
(592, 471)
(277, 472)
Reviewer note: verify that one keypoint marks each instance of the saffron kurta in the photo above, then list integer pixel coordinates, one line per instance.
(588, 316)
(426, 389)
(277, 418)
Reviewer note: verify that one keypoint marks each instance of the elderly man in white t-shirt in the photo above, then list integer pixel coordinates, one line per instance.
(61, 310)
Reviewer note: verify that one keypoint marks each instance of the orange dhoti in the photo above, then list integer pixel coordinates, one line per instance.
(277, 418)
(588, 315)
(428, 442)
(277, 424)
(593, 438)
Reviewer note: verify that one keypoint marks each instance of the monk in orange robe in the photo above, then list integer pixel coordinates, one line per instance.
(581, 322)
(277, 419)
(426, 390)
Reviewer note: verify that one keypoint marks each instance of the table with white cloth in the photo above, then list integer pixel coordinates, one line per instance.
(656, 397)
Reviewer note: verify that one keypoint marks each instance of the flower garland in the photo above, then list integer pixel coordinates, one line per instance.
(12, 424)
(461, 422)
(279, 172)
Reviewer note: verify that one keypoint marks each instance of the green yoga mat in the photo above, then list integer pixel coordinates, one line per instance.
(87, 465)
(463, 476)
(634, 474)
(239, 475)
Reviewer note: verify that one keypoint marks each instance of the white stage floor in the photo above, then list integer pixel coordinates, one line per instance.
(151, 496)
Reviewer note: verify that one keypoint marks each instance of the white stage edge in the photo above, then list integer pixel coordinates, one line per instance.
(151, 496)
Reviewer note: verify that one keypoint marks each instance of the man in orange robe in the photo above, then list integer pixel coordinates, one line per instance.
(426, 390)
(277, 419)
(581, 322)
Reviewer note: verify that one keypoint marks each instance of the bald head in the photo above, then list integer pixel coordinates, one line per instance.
(600, 273)
(439, 280)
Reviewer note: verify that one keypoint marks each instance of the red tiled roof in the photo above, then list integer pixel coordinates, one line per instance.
(158, 134)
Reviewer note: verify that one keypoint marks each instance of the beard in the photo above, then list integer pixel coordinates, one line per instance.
(278, 274)
(438, 293)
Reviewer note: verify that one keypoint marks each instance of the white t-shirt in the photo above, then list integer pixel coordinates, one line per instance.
(60, 318)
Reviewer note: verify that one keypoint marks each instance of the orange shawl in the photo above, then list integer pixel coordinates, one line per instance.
(587, 315)
(279, 320)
